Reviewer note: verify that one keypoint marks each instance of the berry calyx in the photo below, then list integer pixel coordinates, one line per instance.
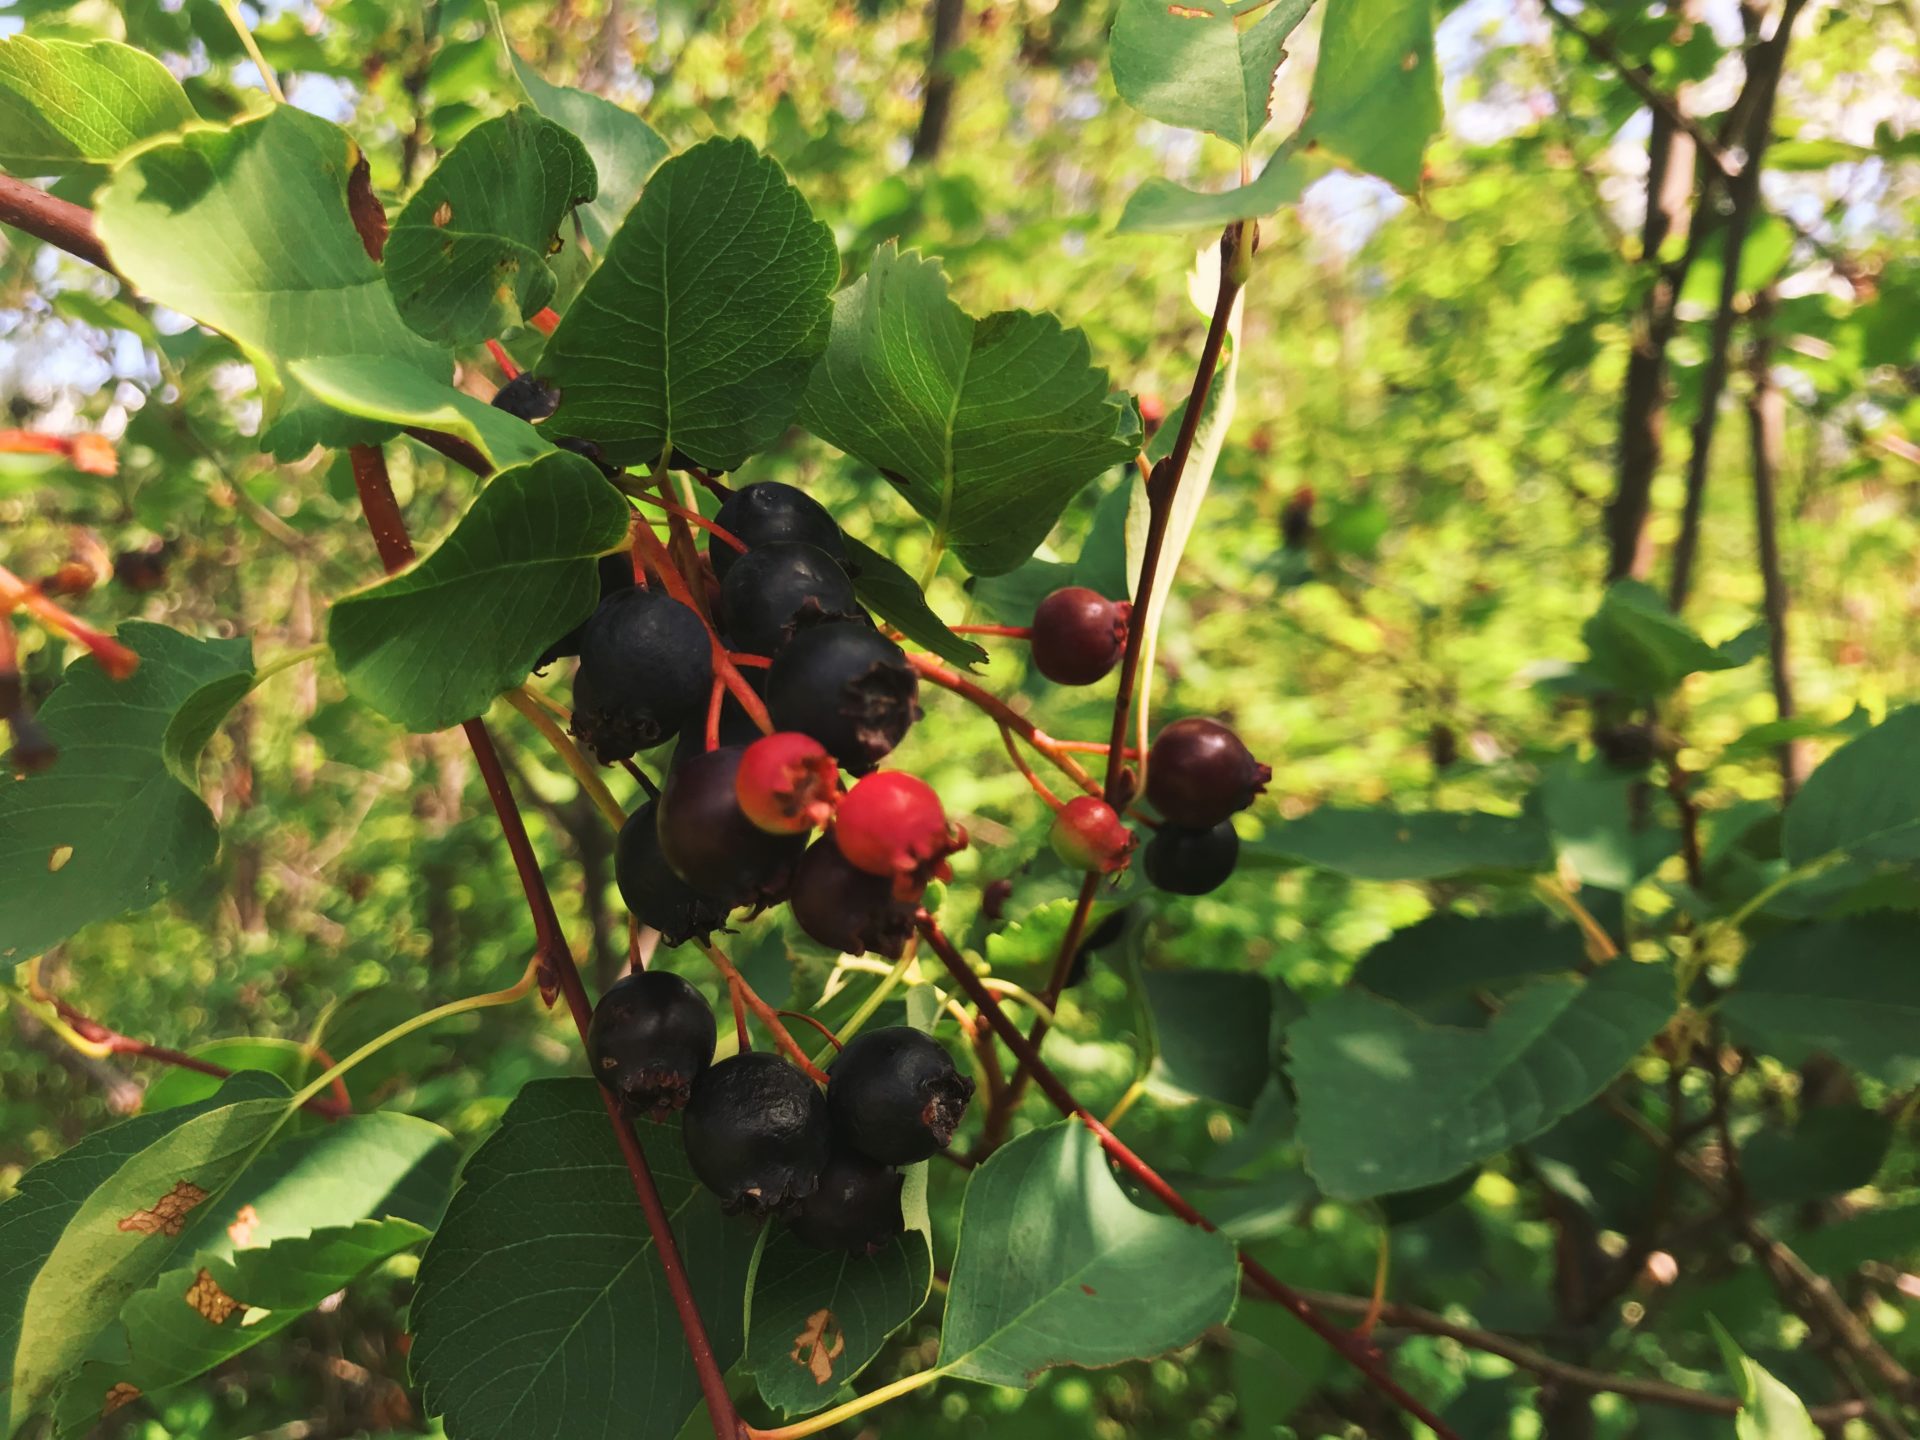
(708, 840)
(653, 893)
(895, 1095)
(650, 1038)
(845, 908)
(1088, 835)
(849, 687)
(1199, 773)
(527, 397)
(856, 1208)
(756, 1132)
(768, 513)
(893, 824)
(1184, 861)
(772, 586)
(787, 783)
(1078, 635)
(646, 666)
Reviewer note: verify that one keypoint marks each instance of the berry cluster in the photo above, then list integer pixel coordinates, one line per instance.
(760, 1134)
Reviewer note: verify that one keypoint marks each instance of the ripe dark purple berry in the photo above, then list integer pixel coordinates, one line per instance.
(656, 896)
(895, 1095)
(616, 574)
(652, 1035)
(709, 841)
(845, 908)
(527, 397)
(849, 687)
(772, 586)
(756, 1132)
(1183, 861)
(856, 1208)
(1078, 635)
(645, 667)
(770, 512)
(1198, 773)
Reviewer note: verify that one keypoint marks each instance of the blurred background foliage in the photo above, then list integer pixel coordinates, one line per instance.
(1433, 383)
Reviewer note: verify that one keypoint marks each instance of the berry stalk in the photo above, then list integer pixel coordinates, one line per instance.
(1002, 713)
(17, 594)
(765, 1013)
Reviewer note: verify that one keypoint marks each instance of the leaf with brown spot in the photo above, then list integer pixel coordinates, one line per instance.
(818, 1345)
(206, 1296)
(241, 1230)
(121, 1394)
(169, 1213)
(443, 214)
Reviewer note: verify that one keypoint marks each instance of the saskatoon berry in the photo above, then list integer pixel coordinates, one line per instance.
(656, 896)
(856, 1208)
(770, 586)
(33, 748)
(645, 667)
(1198, 773)
(895, 1096)
(590, 451)
(651, 1036)
(1088, 835)
(1182, 861)
(142, 571)
(527, 397)
(1296, 519)
(756, 1132)
(1078, 636)
(892, 824)
(616, 574)
(769, 512)
(709, 841)
(787, 783)
(848, 686)
(845, 908)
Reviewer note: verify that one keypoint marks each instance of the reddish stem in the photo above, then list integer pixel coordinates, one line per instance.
(546, 322)
(58, 222)
(1000, 1114)
(1020, 764)
(116, 659)
(739, 1015)
(676, 584)
(718, 694)
(1011, 632)
(694, 517)
(752, 662)
(1351, 1348)
(1003, 713)
(832, 1039)
(765, 1013)
(503, 360)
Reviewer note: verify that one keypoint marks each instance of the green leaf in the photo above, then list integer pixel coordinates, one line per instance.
(892, 593)
(1389, 1102)
(51, 1194)
(1376, 90)
(540, 1312)
(1198, 66)
(1160, 206)
(1864, 800)
(1639, 648)
(286, 1060)
(203, 1314)
(1587, 806)
(432, 646)
(624, 148)
(1768, 1409)
(396, 394)
(1437, 967)
(122, 1233)
(1388, 845)
(467, 258)
(185, 222)
(67, 104)
(1830, 1150)
(988, 427)
(700, 327)
(1056, 1266)
(1213, 1033)
(1849, 987)
(110, 827)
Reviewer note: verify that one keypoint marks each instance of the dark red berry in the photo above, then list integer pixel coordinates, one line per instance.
(1088, 835)
(1296, 519)
(33, 748)
(772, 586)
(656, 896)
(856, 1208)
(616, 574)
(893, 824)
(993, 899)
(1198, 773)
(588, 450)
(527, 397)
(849, 687)
(651, 1036)
(142, 571)
(756, 1132)
(709, 841)
(787, 783)
(1191, 862)
(845, 908)
(768, 513)
(895, 1095)
(646, 665)
(1078, 636)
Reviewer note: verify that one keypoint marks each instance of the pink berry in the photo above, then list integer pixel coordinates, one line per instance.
(893, 824)
(787, 783)
(1088, 835)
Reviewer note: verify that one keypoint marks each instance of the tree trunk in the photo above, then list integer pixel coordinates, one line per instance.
(1767, 432)
(937, 104)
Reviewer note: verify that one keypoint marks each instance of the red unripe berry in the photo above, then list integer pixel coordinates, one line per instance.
(1078, 635)
(1199, 773)
(1088, 835)
(787, 783)
(893, 824)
